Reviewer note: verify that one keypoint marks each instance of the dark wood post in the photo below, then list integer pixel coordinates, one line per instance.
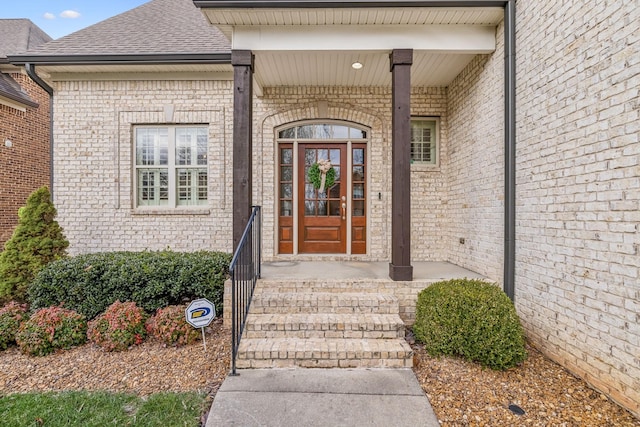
(242, 61)
(400, 267)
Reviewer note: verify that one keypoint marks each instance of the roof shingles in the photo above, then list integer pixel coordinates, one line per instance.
(157, 27)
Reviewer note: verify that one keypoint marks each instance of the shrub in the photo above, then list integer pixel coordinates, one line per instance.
(36, 241)
(118, 328)
(472, 319)
(11, 316)
(90, 283)
(170, 326)
(50, 329)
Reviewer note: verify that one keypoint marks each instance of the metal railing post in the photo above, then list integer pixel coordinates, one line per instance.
(245, 271)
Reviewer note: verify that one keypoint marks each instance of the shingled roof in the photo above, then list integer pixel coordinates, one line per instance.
(19, 35)
(159, 27)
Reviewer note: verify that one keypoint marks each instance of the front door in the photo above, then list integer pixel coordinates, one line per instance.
(329, 220)
(322, 223)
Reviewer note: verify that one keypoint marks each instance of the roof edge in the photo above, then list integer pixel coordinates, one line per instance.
(315, 4)
(18, 99)
(182, 58)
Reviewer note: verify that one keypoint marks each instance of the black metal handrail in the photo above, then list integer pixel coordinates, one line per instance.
(245, 272)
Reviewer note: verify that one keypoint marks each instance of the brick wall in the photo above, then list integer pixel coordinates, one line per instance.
(475, 171)
(24, 167)
(578, 188)
(371, 107)
(94, 169)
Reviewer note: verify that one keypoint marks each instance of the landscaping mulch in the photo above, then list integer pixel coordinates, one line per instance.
(145, 369)
(466, 394)
(461, 393)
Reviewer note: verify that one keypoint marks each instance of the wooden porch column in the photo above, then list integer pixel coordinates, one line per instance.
(242, 61)
(400, 267)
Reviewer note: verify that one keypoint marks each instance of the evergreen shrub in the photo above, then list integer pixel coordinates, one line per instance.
(90, 283)
(170, 326)
(121, 326)
(50, 329)
(471, 319)
(11, 316)
(36, 241)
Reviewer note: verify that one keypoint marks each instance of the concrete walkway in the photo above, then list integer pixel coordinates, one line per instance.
(322, 397)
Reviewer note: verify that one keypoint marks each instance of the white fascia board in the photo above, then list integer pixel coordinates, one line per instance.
(12, 104)
(434, 38)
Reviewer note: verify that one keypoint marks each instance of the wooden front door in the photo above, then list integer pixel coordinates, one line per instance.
(322, 215)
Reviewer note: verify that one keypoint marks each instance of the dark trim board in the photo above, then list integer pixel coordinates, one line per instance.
(313, 4)
(181, 58)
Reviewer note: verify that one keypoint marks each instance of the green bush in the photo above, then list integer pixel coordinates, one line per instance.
(118, 328)
(472, 319)
(11, 316)
(36, 241)
(50, 329)
(90, 283)
(170, 326)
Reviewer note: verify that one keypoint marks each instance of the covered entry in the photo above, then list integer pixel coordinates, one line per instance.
(322, 176)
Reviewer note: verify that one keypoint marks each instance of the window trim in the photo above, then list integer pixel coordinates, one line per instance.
(438, 141)
(172, 206)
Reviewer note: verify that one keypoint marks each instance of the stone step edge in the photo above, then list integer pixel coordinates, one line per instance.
(324, 322)
(324, 348)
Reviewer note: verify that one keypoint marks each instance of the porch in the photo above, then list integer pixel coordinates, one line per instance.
(329, 314)
(353, 277)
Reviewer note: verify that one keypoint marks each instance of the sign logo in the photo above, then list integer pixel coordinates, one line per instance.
(200, 313)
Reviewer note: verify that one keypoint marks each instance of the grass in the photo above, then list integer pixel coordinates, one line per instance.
(88, 409)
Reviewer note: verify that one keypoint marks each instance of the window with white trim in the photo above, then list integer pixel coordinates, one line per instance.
(424, 141)
(171, 168)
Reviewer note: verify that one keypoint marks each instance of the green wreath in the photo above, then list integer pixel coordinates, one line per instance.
(315, 177)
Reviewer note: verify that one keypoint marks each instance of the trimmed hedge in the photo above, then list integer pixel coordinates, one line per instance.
(472, 319)
(50, 329)
(170, 326)
(90, 283)
(118, 328)
(11, 316)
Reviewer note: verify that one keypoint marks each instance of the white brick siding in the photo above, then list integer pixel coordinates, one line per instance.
(578, 188)
(93, 164)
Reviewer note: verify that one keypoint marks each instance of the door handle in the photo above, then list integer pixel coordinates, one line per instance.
(344, 211)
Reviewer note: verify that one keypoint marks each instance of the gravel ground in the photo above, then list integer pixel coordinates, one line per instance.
(462, 393)
(465, 394)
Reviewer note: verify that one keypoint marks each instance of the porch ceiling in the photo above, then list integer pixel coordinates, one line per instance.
(317, 46)
(334, 68)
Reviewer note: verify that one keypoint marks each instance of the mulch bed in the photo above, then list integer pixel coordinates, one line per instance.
(465, 394)
(145, 369)
(461, 393)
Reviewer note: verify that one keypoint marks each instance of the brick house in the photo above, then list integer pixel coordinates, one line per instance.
(495, 136)
(24, 125)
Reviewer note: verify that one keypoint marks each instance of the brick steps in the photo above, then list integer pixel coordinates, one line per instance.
(323, 302)
(323, 324)
(324, 353)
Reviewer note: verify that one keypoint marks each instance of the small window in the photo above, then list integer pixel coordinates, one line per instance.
(171, 166)
(424, 141)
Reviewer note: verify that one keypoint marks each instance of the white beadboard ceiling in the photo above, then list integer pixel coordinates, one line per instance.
(356, 16)
(333, 67)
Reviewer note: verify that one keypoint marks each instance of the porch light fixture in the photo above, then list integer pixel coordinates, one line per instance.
(357, 65)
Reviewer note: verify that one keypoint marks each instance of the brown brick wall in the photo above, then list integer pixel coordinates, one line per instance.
(24, 167)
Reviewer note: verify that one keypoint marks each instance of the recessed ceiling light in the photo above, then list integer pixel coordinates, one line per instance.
(356, 65)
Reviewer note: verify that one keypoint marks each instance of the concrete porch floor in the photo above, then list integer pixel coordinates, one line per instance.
(422, 271)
